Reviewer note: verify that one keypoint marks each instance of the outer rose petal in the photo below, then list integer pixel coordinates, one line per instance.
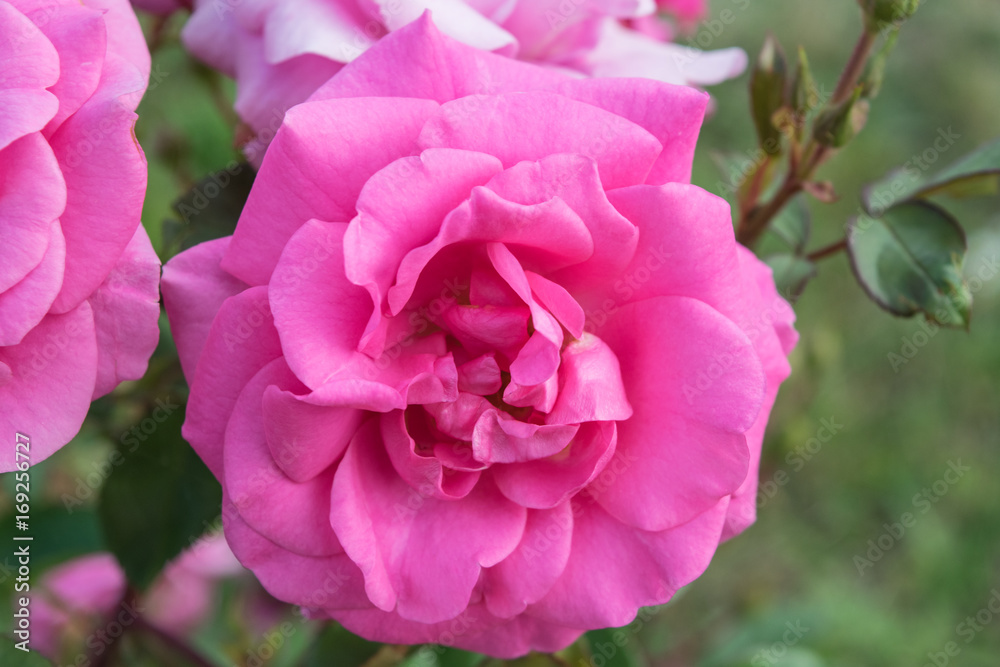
(259, 489)
(24, 305)
(399, 67)
(194, 289)
(81, 37)
(672, 114)
(326, 164)
(53, 373)
(32, 198)
(454, 18)
(516, 127)
(686, 437)
(304, 580)
(98, 227)
(475, 629)
(421, 556)
(23, 111)
(319, 314)
(29, 59)
(126, 311)
(771, 330)
(525, 576)
(614, 569)
(242, 340)
(621, 52)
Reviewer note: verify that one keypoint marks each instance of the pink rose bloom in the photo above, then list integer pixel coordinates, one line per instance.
(78, 276)
(685, 12)
(182, 597)
(84, 596)
(280, 51)
(479, 365)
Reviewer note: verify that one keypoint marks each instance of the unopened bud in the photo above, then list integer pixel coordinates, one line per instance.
(884, 12)
(871, 82)
(804, 94)
(837, 126)
(767, 91)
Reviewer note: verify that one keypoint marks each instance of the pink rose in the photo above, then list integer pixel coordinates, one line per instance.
(78, 276)
(280, 51)
(479, 366)
(85, 595)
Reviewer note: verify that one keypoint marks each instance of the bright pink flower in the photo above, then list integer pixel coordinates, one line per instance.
(280, 51)
(479, 366)
(78, 276)
(85, 595)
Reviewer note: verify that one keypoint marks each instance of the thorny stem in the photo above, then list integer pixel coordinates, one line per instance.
(757, 217)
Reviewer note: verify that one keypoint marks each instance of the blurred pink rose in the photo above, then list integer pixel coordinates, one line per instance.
(279, 52)
(685, 10)
(78, 276)
(479, 366)
(80, 605)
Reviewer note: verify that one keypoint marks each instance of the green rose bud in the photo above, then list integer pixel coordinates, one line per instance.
(767, 93)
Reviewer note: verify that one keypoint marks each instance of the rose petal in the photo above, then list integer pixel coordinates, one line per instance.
(52, 375)
(194, 289)
(326, 164)
(388, 528)
(516, 127)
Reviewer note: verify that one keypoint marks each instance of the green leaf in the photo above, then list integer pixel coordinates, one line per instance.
(791, 273)
(211, 208)
(910, 261)
(975, 174)
(350, 650)
(453, 657)
(11, 656)
(793, 224)
(59, 535)
(158, 502)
